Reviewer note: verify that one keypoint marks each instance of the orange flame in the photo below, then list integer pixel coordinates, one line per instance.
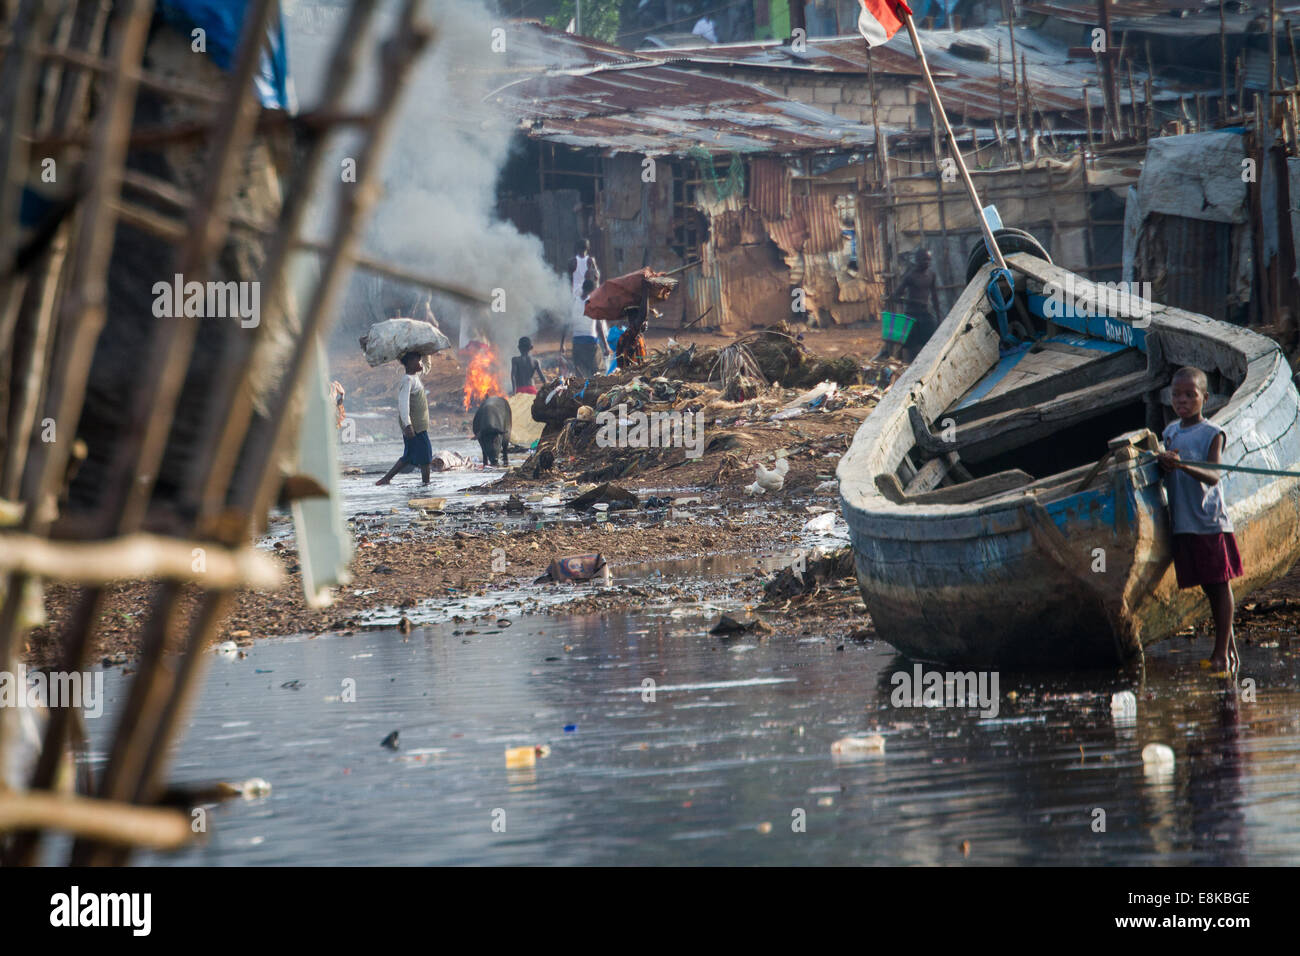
(480, 377)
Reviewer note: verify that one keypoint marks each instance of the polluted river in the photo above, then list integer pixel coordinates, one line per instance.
(636, 737)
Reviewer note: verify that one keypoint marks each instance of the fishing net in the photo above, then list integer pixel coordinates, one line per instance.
(733, 183)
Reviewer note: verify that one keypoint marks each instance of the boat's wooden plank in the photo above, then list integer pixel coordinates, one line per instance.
(961, 350)
(928, 477)
(1099, 369)
(1016, 427)
(974, 490)
(1082, 351)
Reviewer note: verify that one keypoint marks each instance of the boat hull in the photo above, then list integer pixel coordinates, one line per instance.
(1082, 579)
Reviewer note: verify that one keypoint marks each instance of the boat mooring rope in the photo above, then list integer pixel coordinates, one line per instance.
(1245, 469)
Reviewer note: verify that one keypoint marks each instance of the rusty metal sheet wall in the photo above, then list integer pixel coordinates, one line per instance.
(769, 188)
(825, 232)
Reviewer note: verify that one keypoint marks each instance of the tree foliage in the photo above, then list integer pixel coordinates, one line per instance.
(599, 18)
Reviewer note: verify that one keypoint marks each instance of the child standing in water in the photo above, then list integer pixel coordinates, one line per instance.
(413, 416)
(1205, 549)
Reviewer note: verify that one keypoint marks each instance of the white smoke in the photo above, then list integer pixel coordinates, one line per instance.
(437, 213)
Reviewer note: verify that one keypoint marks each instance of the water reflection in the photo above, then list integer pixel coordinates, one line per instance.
(728, 760)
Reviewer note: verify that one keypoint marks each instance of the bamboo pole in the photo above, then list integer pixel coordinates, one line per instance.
(23, 417)
(402, 50)
(1087, 119)
(1002, 106)
(1106, 67)
(226, 427)
(115, 823)
(882, 173)
(136, 557)
(140, 454)
(1223, 67)
(82, 316)
(1272, 49)
(18, 76)
(1295, 70)
(144, 442)
(1015, 84)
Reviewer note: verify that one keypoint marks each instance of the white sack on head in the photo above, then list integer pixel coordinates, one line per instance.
(389, 340)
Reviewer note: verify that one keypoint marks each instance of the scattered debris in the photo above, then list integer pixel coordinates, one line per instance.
(520, 757)
(728, 626)
(578, 567)
(859, 746)
(390, 741)
(612, 495)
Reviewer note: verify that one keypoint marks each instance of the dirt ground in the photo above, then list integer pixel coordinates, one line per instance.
(399, 564)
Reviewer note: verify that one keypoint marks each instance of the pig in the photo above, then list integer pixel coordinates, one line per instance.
(492, 430)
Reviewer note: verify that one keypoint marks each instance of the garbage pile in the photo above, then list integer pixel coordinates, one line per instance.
(688, 403)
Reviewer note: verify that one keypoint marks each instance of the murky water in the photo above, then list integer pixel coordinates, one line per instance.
(731, 761)
(738, 735)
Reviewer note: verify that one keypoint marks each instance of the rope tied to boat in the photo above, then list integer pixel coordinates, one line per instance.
(1002, 304)
(1149, 456)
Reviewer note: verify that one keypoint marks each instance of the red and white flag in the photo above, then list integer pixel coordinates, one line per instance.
(880, 19)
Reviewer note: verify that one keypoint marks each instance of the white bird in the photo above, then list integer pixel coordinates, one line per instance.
(768, 479)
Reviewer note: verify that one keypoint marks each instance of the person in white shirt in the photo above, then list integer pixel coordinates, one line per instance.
(582, 267)
(588, 334)
(413, 416)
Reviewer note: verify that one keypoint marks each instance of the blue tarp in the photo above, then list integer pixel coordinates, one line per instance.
(221, 21)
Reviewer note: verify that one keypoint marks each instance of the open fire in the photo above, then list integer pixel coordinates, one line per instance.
(480, 377)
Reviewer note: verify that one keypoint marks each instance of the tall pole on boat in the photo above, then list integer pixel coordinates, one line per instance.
(936, 108)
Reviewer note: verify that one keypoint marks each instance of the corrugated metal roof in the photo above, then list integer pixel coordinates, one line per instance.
(846, 54)
(659, 110)
(1057, 83)
(1160, 17)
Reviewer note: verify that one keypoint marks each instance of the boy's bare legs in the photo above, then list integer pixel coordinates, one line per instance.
(1225, 657)
(398, 467)
(424, 472)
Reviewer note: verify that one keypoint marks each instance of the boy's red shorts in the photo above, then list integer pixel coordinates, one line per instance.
(1206, 559)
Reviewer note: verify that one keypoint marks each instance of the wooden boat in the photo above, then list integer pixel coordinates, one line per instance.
(1001, 508)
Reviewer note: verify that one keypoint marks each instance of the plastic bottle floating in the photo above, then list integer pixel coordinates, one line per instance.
(1158, 757)
(1123, 704)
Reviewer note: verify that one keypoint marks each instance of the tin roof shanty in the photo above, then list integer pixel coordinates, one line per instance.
(846, 55)
(650, 108)
(1057, 83)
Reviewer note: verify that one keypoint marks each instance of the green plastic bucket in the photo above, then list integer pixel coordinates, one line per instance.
(895, 326)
